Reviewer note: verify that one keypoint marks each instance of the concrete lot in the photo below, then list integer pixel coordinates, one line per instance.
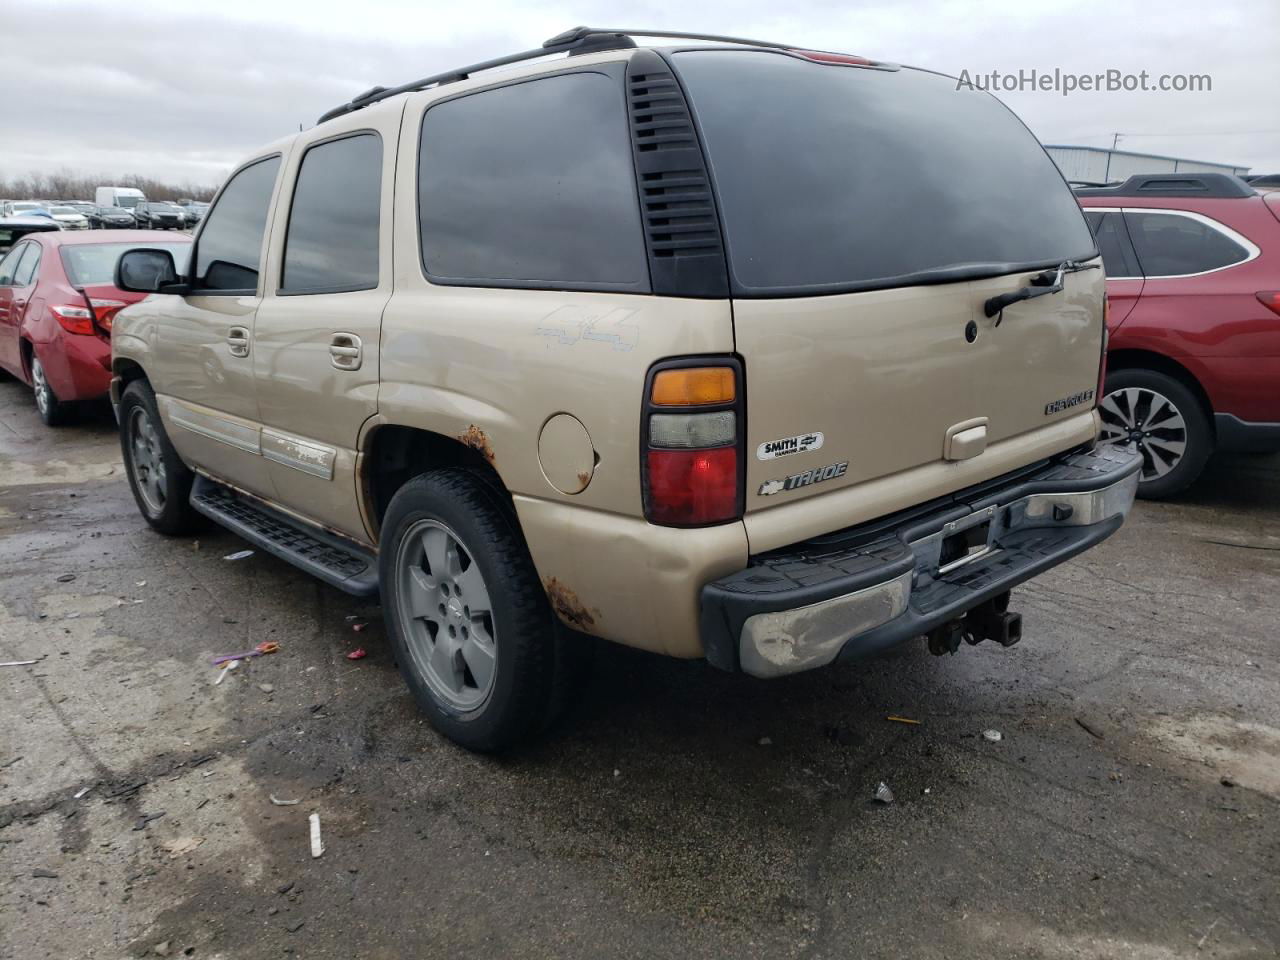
(678, 812)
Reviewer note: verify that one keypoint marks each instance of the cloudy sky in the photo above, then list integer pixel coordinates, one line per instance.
(182, 91)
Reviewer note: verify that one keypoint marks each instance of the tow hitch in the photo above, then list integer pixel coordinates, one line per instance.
(991, 620)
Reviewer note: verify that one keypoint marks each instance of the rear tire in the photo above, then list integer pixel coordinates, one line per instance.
(473, 632)
(160, 481)
(1164, 420)
(52, 411)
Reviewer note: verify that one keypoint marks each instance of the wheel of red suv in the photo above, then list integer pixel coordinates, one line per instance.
(472, 630)
(160, 481)
(52, 411)
(1163, 420)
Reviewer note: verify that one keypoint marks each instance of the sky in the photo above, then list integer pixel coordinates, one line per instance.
(183, 91)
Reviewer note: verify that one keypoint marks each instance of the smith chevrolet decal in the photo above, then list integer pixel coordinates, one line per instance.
(787, 446)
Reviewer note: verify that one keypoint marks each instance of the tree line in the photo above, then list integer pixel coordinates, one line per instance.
(75, 186)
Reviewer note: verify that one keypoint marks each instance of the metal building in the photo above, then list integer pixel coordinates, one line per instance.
(1100, 165)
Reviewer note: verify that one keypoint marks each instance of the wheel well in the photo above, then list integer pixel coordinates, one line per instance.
(395, 455)
(25, 352)
(128, 371)
(1147, 360)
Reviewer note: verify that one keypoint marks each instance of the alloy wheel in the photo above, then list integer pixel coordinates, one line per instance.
(148, 460)
(41, 387)
(447, 615)
(1148, 421)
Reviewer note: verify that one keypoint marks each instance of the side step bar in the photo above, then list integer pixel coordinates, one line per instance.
(330, 558)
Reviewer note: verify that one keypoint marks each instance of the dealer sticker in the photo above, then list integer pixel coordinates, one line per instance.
(787, 446)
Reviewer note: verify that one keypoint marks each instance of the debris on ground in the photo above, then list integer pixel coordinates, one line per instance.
(42, 874)
(357, 654)
(616, 772)
(359, 627)
(146, 818)
(81, 792)
(238, 555)
(1227, 782)
(18, 663)
(139, 583)
(222, 674)
(284, 888)
(317, 848)
(161, 949)
(1089, 728)
(282, 803)
(266, 688)
(295, 926)
(261, 650)
(904, 720)
(66, 578)
(883, 794)
(765, 741)
(992, 736)
(182, 845)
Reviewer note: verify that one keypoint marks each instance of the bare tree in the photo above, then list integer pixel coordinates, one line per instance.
(68, 185)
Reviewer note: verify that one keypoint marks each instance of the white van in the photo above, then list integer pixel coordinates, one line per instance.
(127, 197)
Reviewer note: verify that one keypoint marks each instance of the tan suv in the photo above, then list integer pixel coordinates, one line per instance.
(734, 351)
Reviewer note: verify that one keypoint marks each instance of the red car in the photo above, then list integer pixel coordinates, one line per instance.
(57, 301)
(1193, 288)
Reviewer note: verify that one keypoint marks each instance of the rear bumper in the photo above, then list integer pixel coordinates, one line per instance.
(867, 588)
(1241, 436)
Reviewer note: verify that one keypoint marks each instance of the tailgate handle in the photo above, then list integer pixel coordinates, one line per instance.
(238, 341)
(965, 440)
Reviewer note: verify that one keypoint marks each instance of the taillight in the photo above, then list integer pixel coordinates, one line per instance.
(692, 439)
(1270, 299)
(104, 311)
(843, 59)
(74, 319)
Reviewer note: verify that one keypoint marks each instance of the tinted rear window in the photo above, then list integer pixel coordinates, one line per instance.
(1173, 244)
(842, 178)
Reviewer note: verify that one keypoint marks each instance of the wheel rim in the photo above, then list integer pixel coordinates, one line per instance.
(1148, 421)
(446, 615)
(147, 460)
(40, 385)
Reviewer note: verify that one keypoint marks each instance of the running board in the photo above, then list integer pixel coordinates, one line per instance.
(330, 558)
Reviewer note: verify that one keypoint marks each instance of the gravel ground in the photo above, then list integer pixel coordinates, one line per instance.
(1130, 809)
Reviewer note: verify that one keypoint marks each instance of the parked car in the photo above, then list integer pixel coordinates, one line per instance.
(193, 211)
(13, 229)
(127, 197)
(57, 305)
(558, 377)
(111, 218)
(158, 215)
(69, 218)
(1193, 281)
(23, 208)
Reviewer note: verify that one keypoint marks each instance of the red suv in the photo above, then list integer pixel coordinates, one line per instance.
(1193, 285)
(57, 300)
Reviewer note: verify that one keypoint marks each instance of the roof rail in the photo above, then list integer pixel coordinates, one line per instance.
(1208, 185)
(576, 41)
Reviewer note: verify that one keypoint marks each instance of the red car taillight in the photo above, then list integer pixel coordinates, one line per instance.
(74, 319)
(1270, 299)
(692, 437)
(104, 311)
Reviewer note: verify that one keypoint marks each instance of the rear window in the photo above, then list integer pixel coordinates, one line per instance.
(1176, 244)
(94, 263)
(836, 179)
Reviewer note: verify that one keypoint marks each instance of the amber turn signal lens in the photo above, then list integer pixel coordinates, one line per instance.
(693, 387)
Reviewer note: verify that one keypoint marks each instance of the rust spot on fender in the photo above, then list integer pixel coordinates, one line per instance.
(568, 607)
(584, 478)
(475, 439)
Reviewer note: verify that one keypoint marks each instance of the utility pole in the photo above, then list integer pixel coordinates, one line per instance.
(1115, 138)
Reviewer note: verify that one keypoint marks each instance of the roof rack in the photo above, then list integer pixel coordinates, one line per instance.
(1208, 185)
(579, 40)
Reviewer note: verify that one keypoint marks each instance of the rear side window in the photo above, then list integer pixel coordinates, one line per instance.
(26, 269)
(9, 264)
(1113, 243)
(532, 185)
(230, 245)
(332, 242)
(1174, 244)
(834, 179)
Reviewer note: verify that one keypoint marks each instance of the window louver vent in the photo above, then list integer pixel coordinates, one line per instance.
(682, 230)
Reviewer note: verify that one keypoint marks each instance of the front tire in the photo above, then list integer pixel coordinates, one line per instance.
(473, 633)
(1163, 420)
(52, 411)
(160, 481)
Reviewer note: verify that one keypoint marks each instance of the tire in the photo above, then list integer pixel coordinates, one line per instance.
(160, 481)
(1161, 417)
(54, 412)
(486, 679)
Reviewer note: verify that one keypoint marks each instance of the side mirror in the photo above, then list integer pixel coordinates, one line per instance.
(148, 271)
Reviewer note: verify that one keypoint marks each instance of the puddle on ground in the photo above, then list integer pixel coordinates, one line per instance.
(1248, 753)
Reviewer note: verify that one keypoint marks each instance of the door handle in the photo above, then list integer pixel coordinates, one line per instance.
(238, 341)
(344, 351)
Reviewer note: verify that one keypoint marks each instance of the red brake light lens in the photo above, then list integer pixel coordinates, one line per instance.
(1271, 300)
(840, 59)
(74, 319)
(104, 311)
(693, 486)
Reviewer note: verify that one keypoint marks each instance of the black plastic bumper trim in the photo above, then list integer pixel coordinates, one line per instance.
(1241, 436)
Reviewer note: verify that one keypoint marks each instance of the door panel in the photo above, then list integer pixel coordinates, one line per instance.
(316, 341)
(13, 300)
